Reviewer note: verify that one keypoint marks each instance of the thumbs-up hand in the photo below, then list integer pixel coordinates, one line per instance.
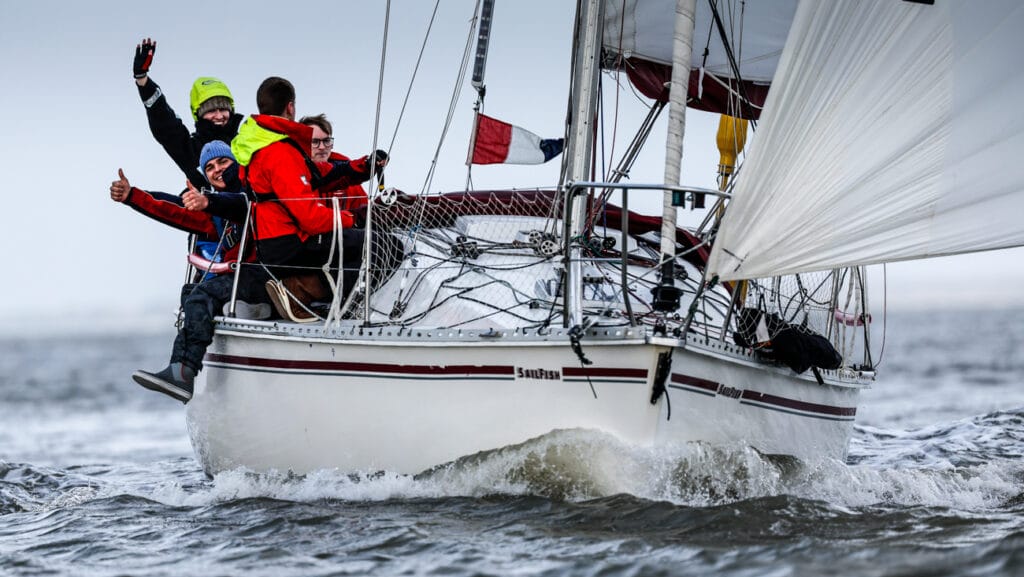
(120, 188)
(193, 199)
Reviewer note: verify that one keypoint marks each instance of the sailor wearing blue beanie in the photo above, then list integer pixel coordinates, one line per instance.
(214, 149)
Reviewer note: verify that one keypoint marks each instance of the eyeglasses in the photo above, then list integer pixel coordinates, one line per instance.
(323, 142)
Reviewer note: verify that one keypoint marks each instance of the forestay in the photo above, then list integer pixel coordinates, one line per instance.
(892, 132)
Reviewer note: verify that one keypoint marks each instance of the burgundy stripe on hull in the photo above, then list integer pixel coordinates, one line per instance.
(751, 397)
(346, 366)
(599, 372)
(762, 400)
(705, 386)
(427, 371)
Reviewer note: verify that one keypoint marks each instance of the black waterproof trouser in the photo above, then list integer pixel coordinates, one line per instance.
(201, 302)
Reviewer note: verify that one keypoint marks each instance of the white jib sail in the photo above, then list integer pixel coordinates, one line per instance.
(893, 131)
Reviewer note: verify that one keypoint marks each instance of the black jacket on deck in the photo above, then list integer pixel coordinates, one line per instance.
(183, 147)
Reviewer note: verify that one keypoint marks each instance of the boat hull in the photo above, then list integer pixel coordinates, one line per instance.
(725, 400)
(295, 403)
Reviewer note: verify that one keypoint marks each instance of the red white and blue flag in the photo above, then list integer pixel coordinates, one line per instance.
(497, 142)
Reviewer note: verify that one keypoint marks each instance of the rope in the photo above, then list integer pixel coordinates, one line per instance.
(575, 333)
(336, 243)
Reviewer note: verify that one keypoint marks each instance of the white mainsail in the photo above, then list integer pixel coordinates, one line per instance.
(644, 29)
(892, 131)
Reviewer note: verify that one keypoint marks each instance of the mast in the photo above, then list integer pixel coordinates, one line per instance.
(483, 39)
(586, 73)
(666, 295)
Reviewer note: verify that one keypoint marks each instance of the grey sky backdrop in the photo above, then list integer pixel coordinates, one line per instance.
(73, 117)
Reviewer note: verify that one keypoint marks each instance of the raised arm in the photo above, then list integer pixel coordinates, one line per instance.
(166, 127)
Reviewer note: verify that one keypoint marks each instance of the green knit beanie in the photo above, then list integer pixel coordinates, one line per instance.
(204, 89)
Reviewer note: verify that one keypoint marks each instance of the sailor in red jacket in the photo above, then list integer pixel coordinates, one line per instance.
(217, 218)
(171, 210)
(293, 224)
(352, 198)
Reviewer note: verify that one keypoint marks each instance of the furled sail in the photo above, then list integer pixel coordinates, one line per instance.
(638, 39)
(893, 131)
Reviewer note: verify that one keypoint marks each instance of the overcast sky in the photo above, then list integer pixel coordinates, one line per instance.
(73, 117)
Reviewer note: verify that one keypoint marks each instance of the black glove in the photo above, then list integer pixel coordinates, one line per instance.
(143, 58)
(379, 157)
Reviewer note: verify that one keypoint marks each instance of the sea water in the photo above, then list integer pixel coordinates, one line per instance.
(97, 478)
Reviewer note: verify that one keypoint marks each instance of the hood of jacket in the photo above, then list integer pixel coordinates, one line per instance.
(261, 130)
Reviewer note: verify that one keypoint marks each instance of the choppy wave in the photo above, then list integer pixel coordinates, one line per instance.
(971, 465)
(96, 478)
(579, 497)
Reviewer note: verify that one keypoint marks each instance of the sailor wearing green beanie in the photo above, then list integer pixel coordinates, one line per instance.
(212, 107)
(210, 94)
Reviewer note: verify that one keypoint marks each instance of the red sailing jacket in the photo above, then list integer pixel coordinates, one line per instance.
(167, 208)
(353, 197)
(269, 147)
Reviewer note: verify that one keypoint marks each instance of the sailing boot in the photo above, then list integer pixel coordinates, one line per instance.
(176, 381)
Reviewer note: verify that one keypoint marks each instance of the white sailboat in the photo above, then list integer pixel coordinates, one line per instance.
(515, 313)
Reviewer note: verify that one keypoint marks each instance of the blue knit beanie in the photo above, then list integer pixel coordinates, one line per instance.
(214, 149)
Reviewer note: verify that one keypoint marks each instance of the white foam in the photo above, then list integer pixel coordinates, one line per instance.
(580, 465)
